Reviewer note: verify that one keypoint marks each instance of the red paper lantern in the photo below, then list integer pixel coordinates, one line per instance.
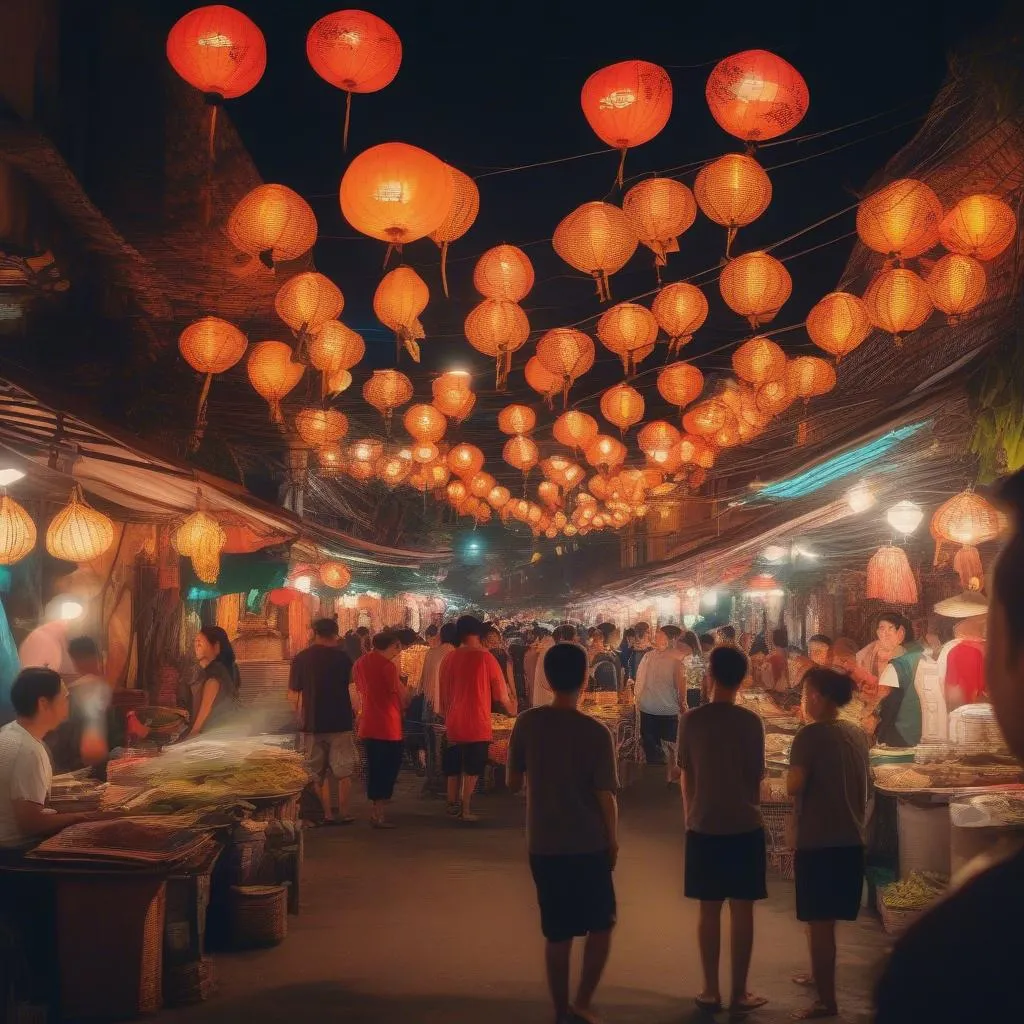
(756, 95)
(218, 51)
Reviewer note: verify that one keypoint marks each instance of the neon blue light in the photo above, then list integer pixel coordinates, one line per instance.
(836, 468)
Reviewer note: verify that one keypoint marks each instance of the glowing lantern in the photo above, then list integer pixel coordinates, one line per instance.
(733, 191)
(838, 323)
(386, 391)
(400, 298)
(898, 302)
(860, 498)
(742, 400)
(657, 440)
(520, 453)
(956, 285)
(541, 379)
(362, 469)
(321, 427)
(629, 331)
(425, 423)
(78, 533)
(456, 492)
(516, 419)
(335, 383)
(567, 354)
(775, 397)
(331, 461)
(452, 394)
(307, 301)
(759, 360)
(680, 383)
(901, 219)
(396, 192)
(336, 347)
(218, 51)
(273, 374)
(627, 104)
(482, 514)
(210, 345)
(680, 309)
(498, 497)
(605, 453)
(272, 223)
(966, 518)
(497, 328)
(504, 272)
(810, 376)
(430, 478)
(355, 51)
(335, 575)
(981, 226)
(756, 95)
(462, 212)
(622, 406)
(481, 484)
(904, 517)
(695, 451)
(201, 539)
(596, 239)
(575, 429)
(393, 469)
(755, 285)
(465, 459)
(425, 452)
(707, 418)
(659, 210)
(366, 450)
(890, 577)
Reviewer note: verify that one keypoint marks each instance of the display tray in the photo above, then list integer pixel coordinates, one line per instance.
(127, 841)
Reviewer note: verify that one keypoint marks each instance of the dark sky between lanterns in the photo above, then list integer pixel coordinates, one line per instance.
(488, 86)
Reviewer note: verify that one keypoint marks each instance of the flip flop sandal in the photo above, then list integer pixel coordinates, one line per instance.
(816, 1011)
(711, 1006)
(470, 819)
(803, 980)
(748, 1005)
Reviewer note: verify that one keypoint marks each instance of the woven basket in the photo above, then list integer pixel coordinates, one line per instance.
(896, 922)
(189, 983)
(259, 915)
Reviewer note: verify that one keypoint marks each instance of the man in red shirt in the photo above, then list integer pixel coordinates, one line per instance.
(382, 698)
(470, 681)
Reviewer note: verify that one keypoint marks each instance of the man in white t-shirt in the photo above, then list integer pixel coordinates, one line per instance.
(40, 701)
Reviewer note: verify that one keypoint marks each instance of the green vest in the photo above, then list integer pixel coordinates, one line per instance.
(908, 717)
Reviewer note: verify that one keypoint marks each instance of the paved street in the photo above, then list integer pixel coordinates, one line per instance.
(435, 923)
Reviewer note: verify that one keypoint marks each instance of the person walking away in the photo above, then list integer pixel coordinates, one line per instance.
(442, 643)
(605, 670)
(215, 694)
(961, 961)
(471, 681)
(568, 760)
(829, 777)
(721, 758)
(495, 643)
(660, 695)
(84, 740)
(320, 681)
(383, 698)
(540, 692)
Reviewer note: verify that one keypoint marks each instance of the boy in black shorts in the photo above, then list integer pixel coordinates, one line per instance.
(568, 760)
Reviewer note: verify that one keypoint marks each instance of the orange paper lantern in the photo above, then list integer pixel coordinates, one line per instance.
(575, 429)
(966, 518)
(956, 285)
(605, 453)
(210, 345)
(336, 347)
(659, 210)
(756, 286)
(657, 440)
(897, 301)
(331, 462)
(273, 374)
(567, 354)
(355, 51)
(756, 95)
(520, 453)
(336, 382)
(307, 301)
(218, 51)
(425, 423)
(462, 212)
(464, 460)
(393, 469)
(982, 226)
(759, 360)
(425, 452)
(901, 219)
(630, 331)
(810, 376)
(775, 397)
(622, 406)
(890, 578)
(695, 451)
(707, 418)
(541, 379)
(386, 391)
(680, 383)
(838, 323)
(498, 497)
(272, 223)
(504, 272)
(321, 427)
(335, 575)
(680, 309)
(497, 328)
(596, 239)
(481, 484)
(453, 395)
(400, 298)
(396, 193)
(733, 191)
(516, 419)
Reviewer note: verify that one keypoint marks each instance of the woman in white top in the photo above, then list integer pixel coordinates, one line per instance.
(660, 696)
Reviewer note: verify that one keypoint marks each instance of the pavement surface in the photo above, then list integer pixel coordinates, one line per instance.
(436, 923)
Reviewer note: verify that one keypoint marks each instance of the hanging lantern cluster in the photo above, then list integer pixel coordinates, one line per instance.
(307, 301)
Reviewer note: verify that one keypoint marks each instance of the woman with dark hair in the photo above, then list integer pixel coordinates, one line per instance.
(215, 692)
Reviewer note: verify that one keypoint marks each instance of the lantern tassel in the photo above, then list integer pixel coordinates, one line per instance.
(444, 269)
(275, 411)
(730, 237)
(348, 117)
(200, 428)
(619, 180)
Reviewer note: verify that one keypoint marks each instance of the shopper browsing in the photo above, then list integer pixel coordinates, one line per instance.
(829, 777)
(568, 760)
(721, 757)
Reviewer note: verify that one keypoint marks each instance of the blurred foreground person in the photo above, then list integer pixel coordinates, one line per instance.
(568, 759)
(829, 776)
(959, 962)
(84, 740)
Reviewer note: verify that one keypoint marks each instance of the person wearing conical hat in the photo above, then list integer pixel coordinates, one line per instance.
(961, 661)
